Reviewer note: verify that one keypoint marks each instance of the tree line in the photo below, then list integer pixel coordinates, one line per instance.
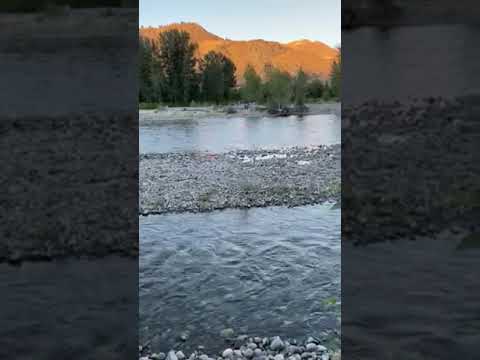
(169, 73)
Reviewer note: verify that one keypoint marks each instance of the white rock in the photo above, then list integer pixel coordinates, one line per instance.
(321, 348)
(227, 354)
(277, 344)
(303, 162)
(171, 355)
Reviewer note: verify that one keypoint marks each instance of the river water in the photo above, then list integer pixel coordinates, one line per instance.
(265, 271)
(260, 271)
(224, 134)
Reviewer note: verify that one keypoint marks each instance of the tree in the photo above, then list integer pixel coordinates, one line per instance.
(175, 61)
(229, 79)
(336, 75)
(299, 88)
(217, 77)
(253, 83)
(315, 89)
(212, 77)
(145, 71)
(277, 87)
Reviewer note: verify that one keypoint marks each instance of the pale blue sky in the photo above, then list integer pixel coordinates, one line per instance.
(277, 20)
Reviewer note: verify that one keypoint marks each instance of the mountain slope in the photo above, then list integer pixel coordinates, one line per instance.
(314, 57)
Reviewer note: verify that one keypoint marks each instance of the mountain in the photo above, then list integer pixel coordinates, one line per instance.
(314, 57)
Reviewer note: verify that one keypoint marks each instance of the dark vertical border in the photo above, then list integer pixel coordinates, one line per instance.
(410, 189)
(69, 199)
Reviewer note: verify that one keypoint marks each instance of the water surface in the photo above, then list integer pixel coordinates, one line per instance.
(224, 134)
(267, 271)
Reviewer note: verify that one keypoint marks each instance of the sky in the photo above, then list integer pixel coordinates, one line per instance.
(275, 20)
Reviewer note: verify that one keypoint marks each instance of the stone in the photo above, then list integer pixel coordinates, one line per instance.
(171, 355)
(279, 357)
(277, 344)
(227, 353)
(227, 333)
(252, 346)
(158, 356)
(180, 355)
(321, 348)
(248, 353)
(257, 353)
(311, 347)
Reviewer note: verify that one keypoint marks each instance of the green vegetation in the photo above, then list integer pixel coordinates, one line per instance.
(217, 77)
(169, 73)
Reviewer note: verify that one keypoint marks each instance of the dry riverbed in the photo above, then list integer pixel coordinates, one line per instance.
(195, 182)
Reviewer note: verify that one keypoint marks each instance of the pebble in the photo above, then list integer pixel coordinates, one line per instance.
(227, 333)
(171, 355)
(248, 353)
(228, 353)
(267, 349)
(277, 344)
(158, 356)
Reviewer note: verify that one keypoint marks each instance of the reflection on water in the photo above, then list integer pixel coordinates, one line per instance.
(224, 134)
(259, 271)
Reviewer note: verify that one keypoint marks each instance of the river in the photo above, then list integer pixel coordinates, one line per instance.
(262, 271)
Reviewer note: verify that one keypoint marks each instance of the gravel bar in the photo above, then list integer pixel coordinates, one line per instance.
(196, 182)
(257, 348)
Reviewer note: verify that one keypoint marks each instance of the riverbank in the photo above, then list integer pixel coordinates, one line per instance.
(152, 117)
(258, 348)
(197, 182)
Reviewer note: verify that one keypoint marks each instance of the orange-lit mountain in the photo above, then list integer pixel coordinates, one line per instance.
(314, 57)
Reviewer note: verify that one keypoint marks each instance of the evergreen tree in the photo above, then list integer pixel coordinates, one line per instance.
(315, 89)
(336, 76)
(277, 87)
(217, 77)
(175, 61)
(251, 90)
(145, 70)
(299, 88)
(213, 79)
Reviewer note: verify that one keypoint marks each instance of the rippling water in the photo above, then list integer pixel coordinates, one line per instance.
(224, 134)
(259, 271)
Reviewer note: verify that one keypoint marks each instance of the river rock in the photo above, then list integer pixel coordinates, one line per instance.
(321, 348)
(171, 355)
(158, 356)
(311, 347)
(227, 353)
(180, 355)
(257, 352)
(248, 353)
(277, 344)
(227, 333)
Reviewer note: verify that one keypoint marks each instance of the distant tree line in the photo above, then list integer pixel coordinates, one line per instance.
(169, 73)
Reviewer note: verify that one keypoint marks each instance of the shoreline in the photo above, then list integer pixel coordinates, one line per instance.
(203, 182)
(244, 347)
(153, 117)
